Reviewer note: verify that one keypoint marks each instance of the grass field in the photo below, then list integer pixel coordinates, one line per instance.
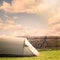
(44, 55)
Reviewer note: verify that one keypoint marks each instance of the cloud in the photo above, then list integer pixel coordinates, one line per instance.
(51, 7)
(19, 6)
(29, 6)
(55, 19)
(11, 28)
(0, 20)
(15, 17)
(6, 6)
(54, 24)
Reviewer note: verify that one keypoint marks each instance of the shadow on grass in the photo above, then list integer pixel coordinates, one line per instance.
(11, 55)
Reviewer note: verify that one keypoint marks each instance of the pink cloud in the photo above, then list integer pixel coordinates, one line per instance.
(54, 24)
(11, 28)
(29, 6)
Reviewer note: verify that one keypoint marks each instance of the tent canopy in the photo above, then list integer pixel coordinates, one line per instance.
(16, 46)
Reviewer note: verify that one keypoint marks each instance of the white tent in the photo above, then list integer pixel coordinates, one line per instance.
(14, 46)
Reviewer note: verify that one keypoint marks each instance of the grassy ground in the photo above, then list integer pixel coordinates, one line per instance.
(44, 55)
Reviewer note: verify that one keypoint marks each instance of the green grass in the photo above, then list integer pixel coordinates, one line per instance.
(44, 55)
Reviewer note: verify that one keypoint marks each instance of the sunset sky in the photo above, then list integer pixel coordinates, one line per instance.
(29, 17)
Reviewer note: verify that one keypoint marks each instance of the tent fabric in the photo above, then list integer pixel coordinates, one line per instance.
(30, 49)
(16, 46)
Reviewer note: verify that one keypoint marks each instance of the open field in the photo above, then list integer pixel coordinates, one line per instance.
(44, 55)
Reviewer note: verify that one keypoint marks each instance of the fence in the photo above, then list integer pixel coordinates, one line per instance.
(45, 42)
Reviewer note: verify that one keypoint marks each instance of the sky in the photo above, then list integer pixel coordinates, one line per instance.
(29, 17)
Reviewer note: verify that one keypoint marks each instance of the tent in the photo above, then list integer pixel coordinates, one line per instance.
(14, 46)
